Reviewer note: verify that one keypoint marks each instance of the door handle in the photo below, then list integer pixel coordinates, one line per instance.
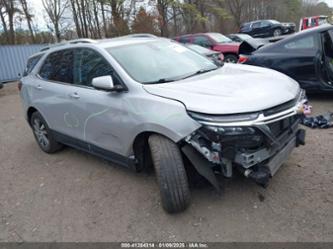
(39, 87)
(74, 95)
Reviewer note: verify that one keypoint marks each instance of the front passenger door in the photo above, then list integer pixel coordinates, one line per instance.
(99, 113)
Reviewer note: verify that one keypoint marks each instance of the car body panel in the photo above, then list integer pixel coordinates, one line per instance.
(222, 91)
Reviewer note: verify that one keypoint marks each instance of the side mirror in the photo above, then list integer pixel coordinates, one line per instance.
(105, 83)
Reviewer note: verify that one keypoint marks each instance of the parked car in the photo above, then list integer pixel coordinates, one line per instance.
(1, 85)
(313, 21)
(265, 28)
(214, 41)
(176, 107)
(306, 57)
(214, 56)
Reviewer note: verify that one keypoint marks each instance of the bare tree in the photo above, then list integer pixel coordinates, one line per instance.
(28, 18)
(10, 9)
(55, 10)
(3, 20)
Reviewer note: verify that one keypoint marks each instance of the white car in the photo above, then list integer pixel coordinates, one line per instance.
(142, 100)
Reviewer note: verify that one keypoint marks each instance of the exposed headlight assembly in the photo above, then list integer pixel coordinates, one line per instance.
(233, 131)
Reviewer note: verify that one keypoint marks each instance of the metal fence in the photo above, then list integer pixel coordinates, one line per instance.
(13, 59)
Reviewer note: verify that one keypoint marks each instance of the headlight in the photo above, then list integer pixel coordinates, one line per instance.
(223, 118)
(232, 131)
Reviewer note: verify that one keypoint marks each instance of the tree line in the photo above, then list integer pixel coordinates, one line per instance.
(70, 19)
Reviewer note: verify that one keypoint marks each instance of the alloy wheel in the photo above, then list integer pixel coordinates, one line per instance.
(41, 133)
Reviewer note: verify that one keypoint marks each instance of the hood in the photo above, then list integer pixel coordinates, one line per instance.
(232, 89)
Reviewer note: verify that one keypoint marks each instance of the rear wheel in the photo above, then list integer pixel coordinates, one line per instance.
(230, 58)
(277, 32)
(171, 174)
(43, 134)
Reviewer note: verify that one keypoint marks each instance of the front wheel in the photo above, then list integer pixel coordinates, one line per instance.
(171, 174)
(230, 58)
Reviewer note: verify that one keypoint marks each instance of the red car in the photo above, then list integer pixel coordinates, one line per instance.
(214, 41)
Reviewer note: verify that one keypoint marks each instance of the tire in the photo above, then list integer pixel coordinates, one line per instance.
(43, 134)
(230, 58)
(277, 32)
(171, 174)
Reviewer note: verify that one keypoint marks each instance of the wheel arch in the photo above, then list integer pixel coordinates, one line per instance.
(141, 149)
(29, 113)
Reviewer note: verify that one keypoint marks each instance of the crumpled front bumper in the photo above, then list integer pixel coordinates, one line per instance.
(279, 128)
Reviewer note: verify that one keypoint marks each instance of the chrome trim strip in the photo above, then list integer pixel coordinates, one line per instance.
(262, 120)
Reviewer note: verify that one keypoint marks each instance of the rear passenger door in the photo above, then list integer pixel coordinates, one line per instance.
(51, 89)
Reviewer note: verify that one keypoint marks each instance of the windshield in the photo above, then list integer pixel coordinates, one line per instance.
(274, 22)
(160, 61)
(244, 37)
(219, 38)
(199, 49)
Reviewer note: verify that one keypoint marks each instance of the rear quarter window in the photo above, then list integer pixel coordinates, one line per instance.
(308, 42)
(32, 62)
(58, 66)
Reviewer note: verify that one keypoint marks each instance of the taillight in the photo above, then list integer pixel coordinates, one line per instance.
(243, 59)
(19, 85)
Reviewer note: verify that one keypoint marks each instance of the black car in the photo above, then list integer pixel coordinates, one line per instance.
(1, 85)
(306, 57)
(264, 28)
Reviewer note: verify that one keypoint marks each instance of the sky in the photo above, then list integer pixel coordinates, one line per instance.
(41, 20)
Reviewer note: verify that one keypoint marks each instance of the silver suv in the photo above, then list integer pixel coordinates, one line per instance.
(142, 101)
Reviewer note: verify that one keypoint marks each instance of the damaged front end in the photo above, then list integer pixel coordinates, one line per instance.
(256, 144)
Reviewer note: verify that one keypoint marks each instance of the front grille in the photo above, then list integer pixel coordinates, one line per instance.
(279, 127)
(280, 108)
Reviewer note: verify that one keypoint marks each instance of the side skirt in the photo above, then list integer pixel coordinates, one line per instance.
(95, 150)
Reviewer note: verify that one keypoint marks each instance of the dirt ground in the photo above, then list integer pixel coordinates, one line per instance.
(72, 196)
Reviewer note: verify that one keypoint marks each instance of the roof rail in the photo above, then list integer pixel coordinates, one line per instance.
(83, 40)
(141, 35)
(76, 41)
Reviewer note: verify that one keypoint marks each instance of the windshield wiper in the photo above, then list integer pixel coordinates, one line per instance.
(167, 80)
(201, 71)
(163, 80)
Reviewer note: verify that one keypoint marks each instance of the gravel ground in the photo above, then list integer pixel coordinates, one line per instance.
(72, 196)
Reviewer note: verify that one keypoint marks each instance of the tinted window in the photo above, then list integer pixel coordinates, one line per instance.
(89, 64)
(32, 62)
(265, 24)
(256, 25)
(184, 39)
(202, 41)
(58, 66)
(308, 42)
